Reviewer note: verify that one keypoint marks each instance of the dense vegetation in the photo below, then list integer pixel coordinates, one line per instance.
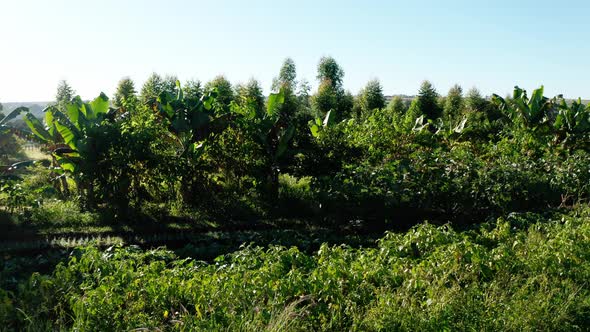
(519, 273)
(509, 178)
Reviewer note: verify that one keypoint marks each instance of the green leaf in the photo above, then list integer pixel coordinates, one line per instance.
(37, 127)
(100, 105)
(16, 112)
(559, 121)
(73, 111)
(518, 93)
(275, 100)
(315, 130)
(179, 95)
(49, 122)
(208, 102)
(67, 130)
(67, 165)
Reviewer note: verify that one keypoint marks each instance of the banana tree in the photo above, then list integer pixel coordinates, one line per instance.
(572, 121)
(533, 112)
(273, 130)
(191, 124)
(71, 132)
(191, 121)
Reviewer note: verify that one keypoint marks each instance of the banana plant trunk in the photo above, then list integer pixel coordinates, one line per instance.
(62, 185)
(272, 181)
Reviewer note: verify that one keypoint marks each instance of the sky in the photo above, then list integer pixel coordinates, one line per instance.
(493, 45)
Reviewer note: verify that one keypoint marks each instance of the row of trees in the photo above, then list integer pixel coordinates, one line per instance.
(223, 147)
(330, 96)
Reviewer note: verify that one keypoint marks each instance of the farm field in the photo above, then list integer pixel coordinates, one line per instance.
(183, 208)
(188, 175)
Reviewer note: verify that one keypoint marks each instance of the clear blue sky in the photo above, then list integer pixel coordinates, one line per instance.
(493, 45)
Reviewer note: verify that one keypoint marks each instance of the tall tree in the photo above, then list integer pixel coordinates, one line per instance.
(329, 70)
(125, 93)
(303, 95)
(428, 101)
(64, 94)
(454, 102)
(250, 95)
(331, 94)
(397, 106)
(326, 99)
(413, 113)
(371, 97)
(192, 89)
(169, 84)
(475, 101)
(287, 76)
(225, 91)
(151, 89)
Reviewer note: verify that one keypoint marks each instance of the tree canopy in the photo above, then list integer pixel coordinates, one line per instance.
(428, 101)
(125, 92)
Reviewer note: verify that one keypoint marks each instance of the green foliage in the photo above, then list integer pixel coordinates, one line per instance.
(193, 89)
(454, 103)
(125, 93)
(397, 106)
(474, 101)
(371, 97)
(250, 95)
(572, 121)
(94, 152)
(331, 95)
(330, 71)
(272, 130)
(412, 116)
(518, 273)
(533, 113)
(8, 144)
(235, 156)
(287, 76)
(326, 98)
(155, 85)
(222, 151)
(428, 101)
(224, 90)
(64, 94)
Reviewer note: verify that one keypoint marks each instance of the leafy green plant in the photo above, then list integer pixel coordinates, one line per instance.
(273, 130)
(428, 278)
(532, 112)
(572, 121)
